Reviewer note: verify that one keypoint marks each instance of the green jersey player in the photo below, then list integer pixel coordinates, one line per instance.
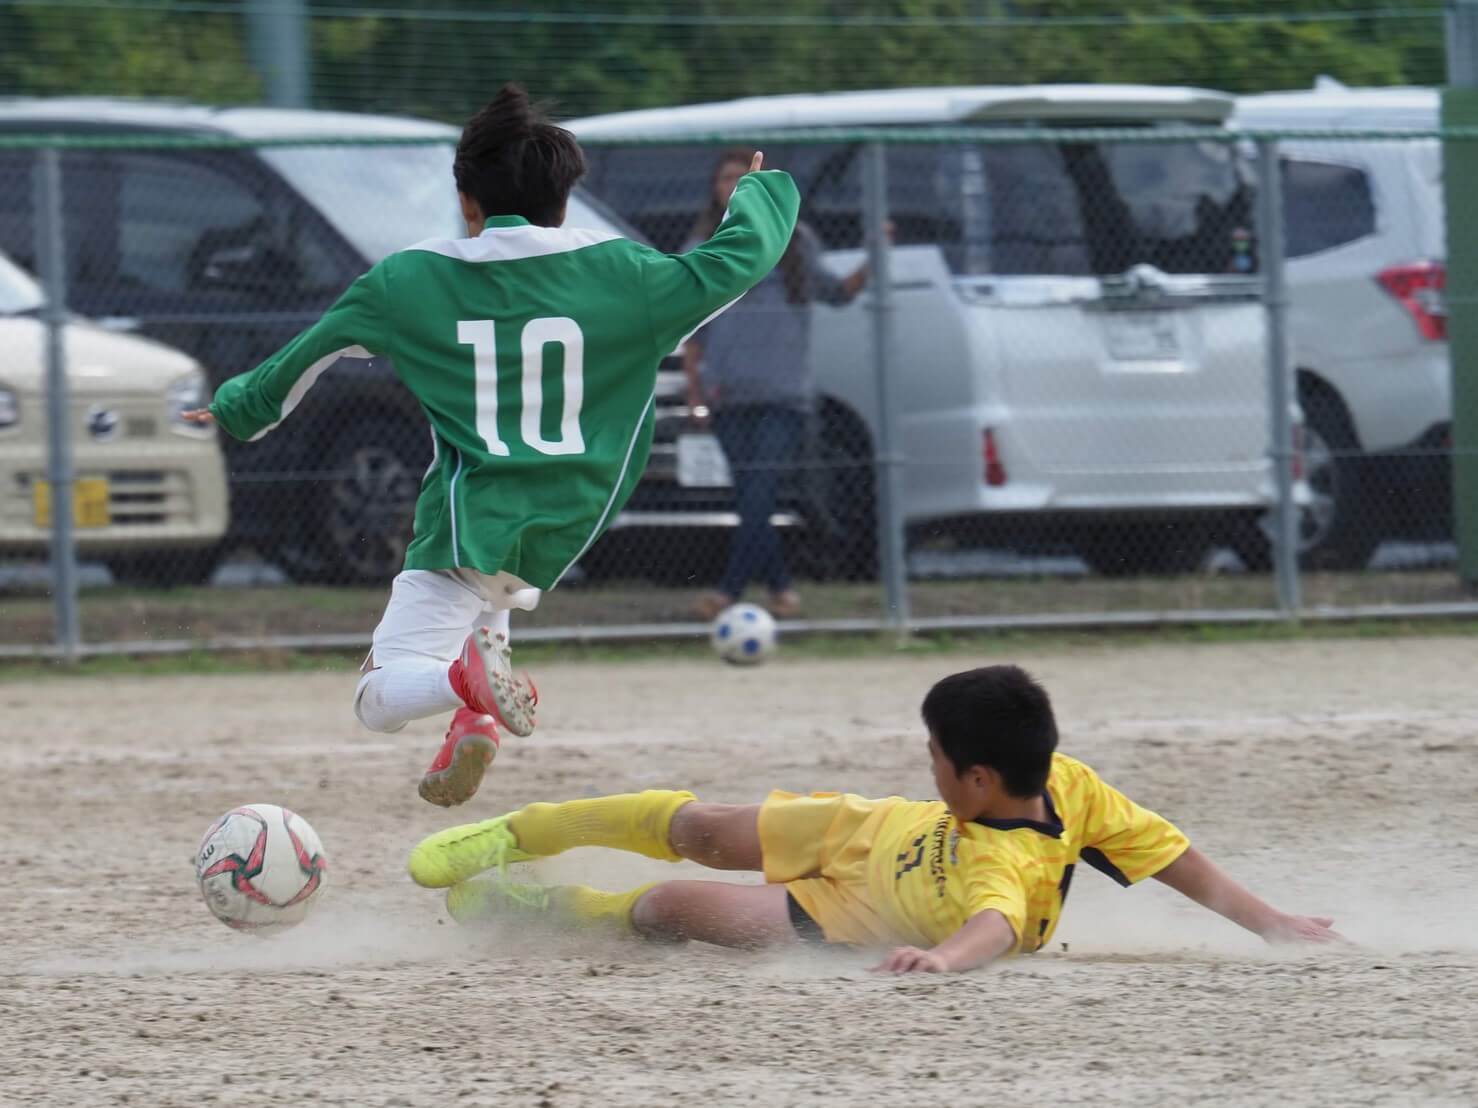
(533, 350)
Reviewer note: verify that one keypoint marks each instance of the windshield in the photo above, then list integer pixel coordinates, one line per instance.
(385, 198)
(380, 198)
(1092, 208)
(18, 292)
(1035, 209)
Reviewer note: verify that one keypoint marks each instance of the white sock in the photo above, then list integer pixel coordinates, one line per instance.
(498, 623)
(387, 699)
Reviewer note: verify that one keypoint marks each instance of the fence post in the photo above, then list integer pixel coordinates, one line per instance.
(1280, 373)
(52, 272)
(885, 440)
(1459, 176)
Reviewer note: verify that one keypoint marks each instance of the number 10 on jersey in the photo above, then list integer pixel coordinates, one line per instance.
(480, 334)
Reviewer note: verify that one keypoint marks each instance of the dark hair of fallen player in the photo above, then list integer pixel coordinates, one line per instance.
(997, 717)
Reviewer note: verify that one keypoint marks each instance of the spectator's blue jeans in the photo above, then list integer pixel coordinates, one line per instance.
(760, 441)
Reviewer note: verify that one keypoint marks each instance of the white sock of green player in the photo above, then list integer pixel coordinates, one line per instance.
(392, 695)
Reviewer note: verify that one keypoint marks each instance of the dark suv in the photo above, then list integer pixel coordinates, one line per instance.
(226, 252)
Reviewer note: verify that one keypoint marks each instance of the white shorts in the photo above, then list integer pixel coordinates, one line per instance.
(431, 612)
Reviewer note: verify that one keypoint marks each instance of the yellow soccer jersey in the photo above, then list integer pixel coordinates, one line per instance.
(927, 873)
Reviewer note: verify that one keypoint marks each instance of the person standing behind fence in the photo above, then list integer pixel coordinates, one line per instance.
(750, 371)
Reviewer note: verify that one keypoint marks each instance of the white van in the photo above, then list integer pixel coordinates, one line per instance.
(1079, 329)
(1366, 249)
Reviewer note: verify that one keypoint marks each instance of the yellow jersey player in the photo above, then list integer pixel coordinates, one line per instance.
(949, 884)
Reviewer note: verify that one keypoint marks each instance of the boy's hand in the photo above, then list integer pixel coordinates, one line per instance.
(910, 959)
(198, 415)
(757, 161)
(1303, 929)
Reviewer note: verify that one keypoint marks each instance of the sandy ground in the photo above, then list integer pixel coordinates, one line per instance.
(1337, 777)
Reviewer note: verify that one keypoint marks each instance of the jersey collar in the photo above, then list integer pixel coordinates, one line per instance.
(499, 222)
(1052, 827)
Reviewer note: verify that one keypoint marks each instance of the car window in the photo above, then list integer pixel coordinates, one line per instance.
(17, 222)
(1325, 206)
(1033, 209)
(19, 291)
(149, 224)
(173, 214)
(659, 190)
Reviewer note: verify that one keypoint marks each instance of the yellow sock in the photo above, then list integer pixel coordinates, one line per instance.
(595, 907)
(637, 822)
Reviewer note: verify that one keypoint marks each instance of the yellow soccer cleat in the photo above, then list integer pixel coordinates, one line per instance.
(489, 898)
(452, 856)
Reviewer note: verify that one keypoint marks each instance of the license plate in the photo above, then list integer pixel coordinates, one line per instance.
(1143, 337)
(701, 463)
(89, 502)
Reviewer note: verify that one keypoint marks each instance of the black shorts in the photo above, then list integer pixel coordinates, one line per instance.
(806, 928)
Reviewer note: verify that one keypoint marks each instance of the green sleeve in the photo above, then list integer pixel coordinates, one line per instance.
(683, 291)
(251, 404)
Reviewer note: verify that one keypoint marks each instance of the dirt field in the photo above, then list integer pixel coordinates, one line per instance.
(1335, 777)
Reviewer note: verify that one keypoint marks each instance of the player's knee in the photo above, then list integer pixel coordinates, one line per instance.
(369, 709)
(697, 830)
(659, 913)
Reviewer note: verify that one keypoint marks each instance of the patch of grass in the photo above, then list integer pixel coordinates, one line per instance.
(980, 644)
(120, 614)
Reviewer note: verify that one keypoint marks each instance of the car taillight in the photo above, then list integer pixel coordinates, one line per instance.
(995, 469)
(1420, 287)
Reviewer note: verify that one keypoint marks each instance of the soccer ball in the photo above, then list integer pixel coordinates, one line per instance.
(260, 866)
(744, 634)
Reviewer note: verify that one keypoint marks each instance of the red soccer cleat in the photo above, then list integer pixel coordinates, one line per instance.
(483, 677)
(469, 748)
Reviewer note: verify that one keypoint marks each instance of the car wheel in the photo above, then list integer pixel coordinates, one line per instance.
(1331, 531)
(166, 569)
(1144, 549)
(362, 513)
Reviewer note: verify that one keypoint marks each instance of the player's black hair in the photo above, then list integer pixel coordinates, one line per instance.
(998, 717)
(513, 161)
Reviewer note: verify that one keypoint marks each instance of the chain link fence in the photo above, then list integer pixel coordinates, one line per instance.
(1001, 376)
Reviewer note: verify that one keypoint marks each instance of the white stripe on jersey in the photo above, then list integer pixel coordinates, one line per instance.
(510, 244)
(615, 488)
(307, 381)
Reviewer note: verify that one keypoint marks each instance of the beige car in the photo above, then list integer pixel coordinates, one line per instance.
(150, 491)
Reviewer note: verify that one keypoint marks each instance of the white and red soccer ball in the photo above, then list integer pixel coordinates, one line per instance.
(260, 866)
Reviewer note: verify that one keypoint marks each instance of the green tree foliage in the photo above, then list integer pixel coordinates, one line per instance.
(443, 57)
(49, 50)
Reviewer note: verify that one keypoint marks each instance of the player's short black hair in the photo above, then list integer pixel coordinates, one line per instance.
(998, 717)
(513, 161)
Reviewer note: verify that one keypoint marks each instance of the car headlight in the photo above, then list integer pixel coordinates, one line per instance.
(10, 409)
(185, 395)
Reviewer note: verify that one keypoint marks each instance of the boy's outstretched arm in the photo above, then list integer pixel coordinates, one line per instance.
(250, 405)
(684, 291)
(1196, 876)
(984, 938)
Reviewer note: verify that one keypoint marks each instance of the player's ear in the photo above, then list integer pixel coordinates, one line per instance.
(471, 212)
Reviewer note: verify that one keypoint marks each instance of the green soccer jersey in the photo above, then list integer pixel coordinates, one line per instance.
(533, 352)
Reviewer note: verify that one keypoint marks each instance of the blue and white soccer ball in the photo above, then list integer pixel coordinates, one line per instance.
(744, 634)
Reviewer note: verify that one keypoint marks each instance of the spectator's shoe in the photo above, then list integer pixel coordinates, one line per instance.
(709, 604)
(459, 854)
(469, 748)
(483, 677)
(785, 604)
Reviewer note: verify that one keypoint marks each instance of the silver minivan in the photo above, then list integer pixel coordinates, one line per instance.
(1366, 245)
(1078, 323)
